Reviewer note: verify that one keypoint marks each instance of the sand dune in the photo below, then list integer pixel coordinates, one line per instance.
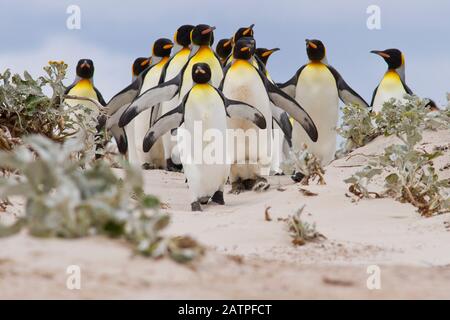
(250, 257)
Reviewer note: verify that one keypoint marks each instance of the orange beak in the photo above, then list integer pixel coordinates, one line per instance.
(381, 54)
(209, 30)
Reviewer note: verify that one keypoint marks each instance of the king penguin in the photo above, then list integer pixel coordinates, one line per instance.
(201, 52)
(122, 99)
(393, 84)
(83, 86)
(153, 159)
(206, 105)
(245, 82)
(282, 142)
(317, 86)
(180, 56)
(223, 49)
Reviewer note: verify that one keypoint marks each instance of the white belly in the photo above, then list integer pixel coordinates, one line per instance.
(390, 87)
(205, 55)
(141, 124)
(205, 175)
(243, 83)
(317, 93)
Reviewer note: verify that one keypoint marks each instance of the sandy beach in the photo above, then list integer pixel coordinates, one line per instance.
(248, 257)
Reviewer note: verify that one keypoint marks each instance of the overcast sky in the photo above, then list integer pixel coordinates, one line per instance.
(114, 33)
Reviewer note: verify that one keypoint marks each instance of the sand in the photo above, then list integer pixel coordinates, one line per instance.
(249, 257)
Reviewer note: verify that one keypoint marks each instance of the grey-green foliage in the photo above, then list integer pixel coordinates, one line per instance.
(26, 109)
(357, 127)
(305, 162)
(68, 197)
(411, 174)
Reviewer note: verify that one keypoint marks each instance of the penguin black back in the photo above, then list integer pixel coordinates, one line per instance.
(201, 73)
(85, 69)
(183, 35)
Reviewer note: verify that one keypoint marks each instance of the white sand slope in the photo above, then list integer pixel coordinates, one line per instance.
(249, 257)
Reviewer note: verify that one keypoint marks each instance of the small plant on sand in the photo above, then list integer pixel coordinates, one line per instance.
(305, 163)
(411, 176)
(357, 127)
(67, 196)
(300, 231)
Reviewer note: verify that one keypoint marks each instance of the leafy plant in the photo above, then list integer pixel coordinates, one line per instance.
(300, 231)
(25, 109)
(357, 127)
(411, 174)
(305, 162)
(68, 197)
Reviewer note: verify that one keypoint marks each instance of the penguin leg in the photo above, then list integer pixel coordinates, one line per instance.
(149, 166)
(261, 184)
(237, 186)
(171, 166)
(195, 206)
(297, 177)
(204, 200)
(249, 184)
(218, 198)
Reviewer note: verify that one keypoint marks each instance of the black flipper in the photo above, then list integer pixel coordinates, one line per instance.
(239, 109)
(282, 119)
(373, 96)
(289, 87)
(167, 122)
(346, 93)
(153, 96)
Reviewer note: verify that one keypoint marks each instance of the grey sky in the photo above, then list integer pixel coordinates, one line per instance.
(113, 33)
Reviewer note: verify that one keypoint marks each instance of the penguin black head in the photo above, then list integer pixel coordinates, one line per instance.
(183, 35)
(244, 48)
(243, 32)
(224, 48)
(263, 54)
(85, 68)
(202, 35)
(162, 48)
(139, 65)
(201, 73)
(393, 57)
(315, 49)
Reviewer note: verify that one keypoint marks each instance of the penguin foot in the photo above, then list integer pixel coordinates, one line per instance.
(279, 173)
(218, 198)
(249, 184)
(148, 166)
(237, 187)
(195, 206)
(204, 200)
(261, 184)
(297, 177)
(173, 167)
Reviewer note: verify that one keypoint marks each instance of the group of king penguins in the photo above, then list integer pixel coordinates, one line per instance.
(186, 81)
